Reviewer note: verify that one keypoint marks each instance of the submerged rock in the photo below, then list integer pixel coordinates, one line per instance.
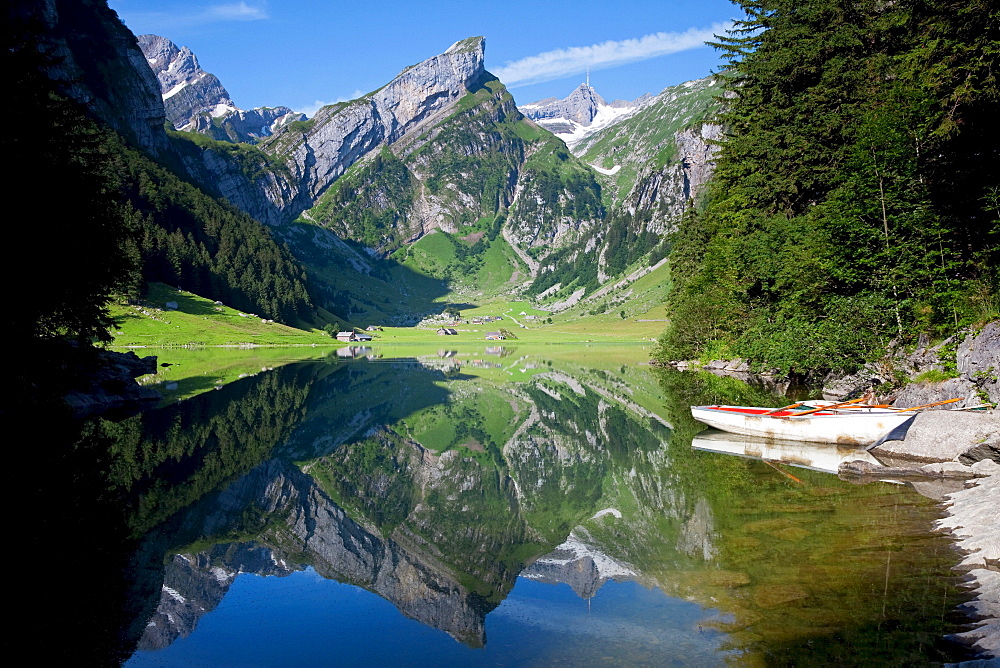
(937, 470)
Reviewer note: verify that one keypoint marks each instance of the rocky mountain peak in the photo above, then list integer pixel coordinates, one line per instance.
(422, 89)
(187, 89)
(95, 61)
(581, 113)
(339, 135)
(584, 103)
(580, 106)
(196, 100)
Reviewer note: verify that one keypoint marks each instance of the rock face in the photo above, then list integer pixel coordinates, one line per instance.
(341, 134)
(97, 62)
(659, 157)
(668, 190)
(187, 89)
(196, 100)
(312, 155)
(973, 357)
(580, 114)
(976, 363)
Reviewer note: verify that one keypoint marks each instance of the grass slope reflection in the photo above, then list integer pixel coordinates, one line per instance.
(481, 495)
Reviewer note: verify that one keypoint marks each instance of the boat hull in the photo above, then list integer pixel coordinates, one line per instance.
(825, 457)
(846, 428)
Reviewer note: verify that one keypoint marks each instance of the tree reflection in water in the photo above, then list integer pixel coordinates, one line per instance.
(462, 493)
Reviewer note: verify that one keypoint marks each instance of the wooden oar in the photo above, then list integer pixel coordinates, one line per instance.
(823, 408)
(784, 408)
(972, 408)
(867, 406)
(936, 403)
(784, 473)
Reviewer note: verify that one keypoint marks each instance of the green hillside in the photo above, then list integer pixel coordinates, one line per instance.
(645, 141)
(197, 321)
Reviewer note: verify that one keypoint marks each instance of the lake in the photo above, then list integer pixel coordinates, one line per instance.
(467, 506)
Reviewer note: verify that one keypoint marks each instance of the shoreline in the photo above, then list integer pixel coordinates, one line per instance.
(940, 445)
(972, 521)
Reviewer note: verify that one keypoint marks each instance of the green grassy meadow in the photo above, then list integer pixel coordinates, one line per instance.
(186, 372)
(199, 322)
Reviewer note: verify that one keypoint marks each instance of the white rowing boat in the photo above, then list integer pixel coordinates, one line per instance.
(854, 425)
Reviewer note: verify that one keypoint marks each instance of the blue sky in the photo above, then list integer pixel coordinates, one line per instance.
(304, 53)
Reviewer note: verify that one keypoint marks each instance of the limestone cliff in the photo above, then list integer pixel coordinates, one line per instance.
(666, 190)
(319, 151)
(289, 171)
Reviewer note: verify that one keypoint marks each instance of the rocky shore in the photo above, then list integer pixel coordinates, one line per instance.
(964, 366)
(112, 385)
(960, 451)
(952, 456)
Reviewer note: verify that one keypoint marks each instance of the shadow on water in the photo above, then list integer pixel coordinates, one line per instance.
(125, 492)
(468, 495)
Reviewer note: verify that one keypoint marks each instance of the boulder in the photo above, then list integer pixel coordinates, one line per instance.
(113, 384)
(988, 450)
(920, 394)
(942, 436)
(840, 386)
(978, 359)
(976, 362)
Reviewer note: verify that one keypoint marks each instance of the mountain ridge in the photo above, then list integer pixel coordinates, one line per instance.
(580, 114)
(195, 100)
(440, 148)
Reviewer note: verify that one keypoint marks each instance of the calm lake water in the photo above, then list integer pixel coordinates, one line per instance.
(476, 506)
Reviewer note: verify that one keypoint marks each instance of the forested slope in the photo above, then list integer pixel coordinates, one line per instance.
(99, 216)
(857, 189)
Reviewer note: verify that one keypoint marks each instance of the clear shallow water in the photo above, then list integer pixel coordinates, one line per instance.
(479, 507)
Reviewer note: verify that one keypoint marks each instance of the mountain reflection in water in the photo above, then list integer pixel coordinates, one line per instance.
(532, 507)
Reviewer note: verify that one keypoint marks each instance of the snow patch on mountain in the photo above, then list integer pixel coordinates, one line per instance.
(608, 172)
(606, 116)
(581, 114)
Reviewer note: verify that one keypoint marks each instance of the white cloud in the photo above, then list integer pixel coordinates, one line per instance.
(559, 63)
(310, 110)
(178, 18)
(240, 11)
